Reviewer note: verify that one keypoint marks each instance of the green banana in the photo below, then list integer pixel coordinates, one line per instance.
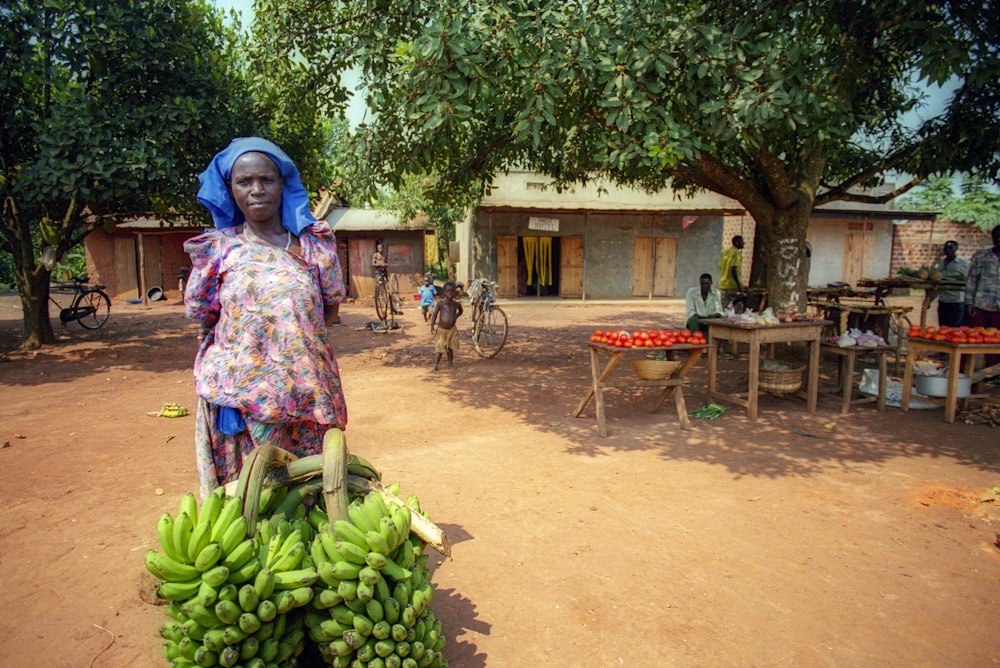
(207, 594)
(216, 577)
(268, 650)
(234, 535)
(316, 551)
(376, 505)
(230, 656)
(189, 505)
(398, 632)
(368, 575)
(293, 579)
(404, 555)
(290, 560)
(365, 592)
(165, 535)
(228, 591)
(302, 595)
(382, 591)
(213, 640)
(345, 570)
(201, 615)
(374, 611)
(384, 648)
(208, 557)
(263, 583)
(350, 533)
(317, 517)
(354, 638)
(211, 507)
(267, 610)
(326, 598)
(247, 571)
(391, 610)
(359, 466)
(333, 628)
(403, 520)
(248, 652)
(285, 601)
(358, 516)
(350, 552)
(183, 528)
(249, 622)
(248, 599)
(240, 554)
(168, 570)
(232, 508)
(200, 536)
(178, 591)
(377, 542)
(387, 528)
(270, 497)
(228, 611)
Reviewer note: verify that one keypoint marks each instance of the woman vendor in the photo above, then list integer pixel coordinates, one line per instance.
(264, 284)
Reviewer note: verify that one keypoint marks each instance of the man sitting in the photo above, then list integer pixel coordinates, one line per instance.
(703, 301)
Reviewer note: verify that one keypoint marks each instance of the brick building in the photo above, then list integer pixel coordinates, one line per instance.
(917, 243)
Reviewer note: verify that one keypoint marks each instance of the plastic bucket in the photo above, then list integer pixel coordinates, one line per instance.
(154, 294)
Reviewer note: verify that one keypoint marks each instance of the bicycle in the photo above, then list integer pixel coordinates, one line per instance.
(388, 303)
(489, 322)
(90, 305)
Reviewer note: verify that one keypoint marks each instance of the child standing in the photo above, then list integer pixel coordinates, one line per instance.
(443, 321)
(427, 294)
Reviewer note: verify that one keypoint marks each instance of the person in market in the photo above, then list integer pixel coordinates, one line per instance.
(427, 293)
(730, 280)
(264, 285)
(380, 265)
(982, 289)
(951, 303)
(444, 321)
(702, 301)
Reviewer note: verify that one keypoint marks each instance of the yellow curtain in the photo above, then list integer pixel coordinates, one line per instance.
(545, 260)
(530, 254)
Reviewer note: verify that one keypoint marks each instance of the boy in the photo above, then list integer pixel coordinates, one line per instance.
(427, 294)
(443, 321)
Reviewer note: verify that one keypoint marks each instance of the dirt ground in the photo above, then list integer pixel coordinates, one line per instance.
(735, 543)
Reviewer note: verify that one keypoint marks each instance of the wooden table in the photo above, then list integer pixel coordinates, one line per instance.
(670, 385)
(755, 336)
(954, 351)
(884, 285)
(848, 358)
(879, 319)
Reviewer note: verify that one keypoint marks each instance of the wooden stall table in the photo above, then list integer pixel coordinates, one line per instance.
(756, 335)
(883, 286)
(601, 380)
(955, 352)
(879, 319)
(848, 358)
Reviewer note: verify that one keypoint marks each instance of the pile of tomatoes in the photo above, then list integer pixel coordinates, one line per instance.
(962, 334)
(647, 338)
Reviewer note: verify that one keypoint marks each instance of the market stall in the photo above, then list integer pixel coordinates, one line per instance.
(958, 370)
(671, 384)
(756, 335)
(884, 286)
(848, 360)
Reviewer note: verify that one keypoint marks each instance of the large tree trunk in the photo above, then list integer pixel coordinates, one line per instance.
(780, 259)
(33, 288)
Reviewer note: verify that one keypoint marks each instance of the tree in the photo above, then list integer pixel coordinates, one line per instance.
(977, 205)
(780, 105)
(108, 110)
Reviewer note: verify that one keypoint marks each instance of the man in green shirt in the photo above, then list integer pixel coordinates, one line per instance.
(730, 265)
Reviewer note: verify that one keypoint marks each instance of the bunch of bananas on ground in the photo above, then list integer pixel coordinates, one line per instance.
(358, 588)
(371, 603)
(170, 411)
(231, 595)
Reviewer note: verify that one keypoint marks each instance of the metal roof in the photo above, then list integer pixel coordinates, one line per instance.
(363, 220)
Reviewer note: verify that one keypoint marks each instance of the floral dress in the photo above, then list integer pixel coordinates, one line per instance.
(268, 356)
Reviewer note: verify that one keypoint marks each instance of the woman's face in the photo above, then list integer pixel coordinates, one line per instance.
(256, 185)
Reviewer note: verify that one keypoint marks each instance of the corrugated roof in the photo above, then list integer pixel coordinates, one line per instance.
(363, 220)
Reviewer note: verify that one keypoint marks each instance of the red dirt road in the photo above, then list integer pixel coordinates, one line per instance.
(735, 543)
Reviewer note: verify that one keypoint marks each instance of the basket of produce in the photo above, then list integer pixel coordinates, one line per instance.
(308, 557)
(649, 369)
(781, 377)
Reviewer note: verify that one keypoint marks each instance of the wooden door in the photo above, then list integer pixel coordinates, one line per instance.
(665, 267)
(859, 255)
(570, 266)
(152, 270)
(642, 267)
(506, 266)
(126, 268)
(359, 260)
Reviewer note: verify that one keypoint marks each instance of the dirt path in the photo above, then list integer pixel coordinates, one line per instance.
(736, 543)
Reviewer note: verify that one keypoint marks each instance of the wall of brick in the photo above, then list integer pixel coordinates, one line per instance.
(918, 243)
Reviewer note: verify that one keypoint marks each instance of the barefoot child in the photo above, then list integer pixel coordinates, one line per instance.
(443, 321)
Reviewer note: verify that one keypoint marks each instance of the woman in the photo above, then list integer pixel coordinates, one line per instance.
(264, 284)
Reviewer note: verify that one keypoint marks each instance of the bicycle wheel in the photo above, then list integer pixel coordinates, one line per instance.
(381, 300)
(394, 299)
(490, 332)
(93, 309)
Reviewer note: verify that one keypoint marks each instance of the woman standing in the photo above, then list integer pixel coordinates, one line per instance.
(263, 285)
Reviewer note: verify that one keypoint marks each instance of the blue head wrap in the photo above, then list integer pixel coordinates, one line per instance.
(215, 195)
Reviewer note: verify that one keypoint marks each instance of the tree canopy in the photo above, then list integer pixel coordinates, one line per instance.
(108, 110)
(781, 105)
(973, 203)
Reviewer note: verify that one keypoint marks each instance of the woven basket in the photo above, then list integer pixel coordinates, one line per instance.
(782, 380)
(654, 369)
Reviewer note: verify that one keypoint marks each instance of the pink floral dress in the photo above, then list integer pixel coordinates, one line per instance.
(268, 356)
